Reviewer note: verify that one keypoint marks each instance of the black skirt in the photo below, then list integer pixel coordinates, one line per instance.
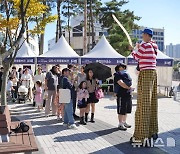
(82, 103)
(92, 98)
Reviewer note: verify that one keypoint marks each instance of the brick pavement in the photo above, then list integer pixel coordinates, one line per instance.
(103, 136)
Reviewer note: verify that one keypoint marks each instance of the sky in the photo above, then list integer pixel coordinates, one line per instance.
(154, 14)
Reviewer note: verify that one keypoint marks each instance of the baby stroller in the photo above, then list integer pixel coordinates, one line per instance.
(22, 94)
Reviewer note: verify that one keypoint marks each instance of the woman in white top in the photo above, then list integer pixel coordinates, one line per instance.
(40, 77)
(26, 79)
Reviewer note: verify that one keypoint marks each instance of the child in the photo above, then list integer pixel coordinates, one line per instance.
(38, 95)
(82, 96)
(10, 88)
(121, 70)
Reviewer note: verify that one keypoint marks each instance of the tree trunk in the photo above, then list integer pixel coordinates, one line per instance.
(89, 32)
(4, 84)
(85, 28)
(92, 24)
(27, 33)
(41, 41)
(59, 18)
(57, 31)
(41, 44)
(69, 31)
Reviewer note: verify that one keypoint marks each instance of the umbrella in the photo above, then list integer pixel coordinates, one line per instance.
(101, 72)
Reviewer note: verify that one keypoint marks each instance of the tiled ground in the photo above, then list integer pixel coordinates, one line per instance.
(103, 136)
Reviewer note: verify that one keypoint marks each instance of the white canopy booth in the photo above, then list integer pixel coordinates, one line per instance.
(164, 69)
(104, 53)
(61, 53)
(26, 57)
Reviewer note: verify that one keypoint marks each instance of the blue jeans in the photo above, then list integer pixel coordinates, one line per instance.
(68, 113)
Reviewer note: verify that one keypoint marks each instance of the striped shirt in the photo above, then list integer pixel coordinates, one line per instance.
(146, 55)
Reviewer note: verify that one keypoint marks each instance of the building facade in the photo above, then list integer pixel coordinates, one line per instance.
(158, 36)
(173, 50)
(77, 35)
(33, 43)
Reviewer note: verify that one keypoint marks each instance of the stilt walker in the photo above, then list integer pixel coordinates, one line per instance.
(146, 121)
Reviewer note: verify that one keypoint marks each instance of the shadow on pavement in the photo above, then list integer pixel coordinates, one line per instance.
(127, 148)
(115, 106)
(46, 122)
(85, 136)
(48, 130)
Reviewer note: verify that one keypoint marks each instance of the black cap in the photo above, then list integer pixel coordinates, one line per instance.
(123, 65)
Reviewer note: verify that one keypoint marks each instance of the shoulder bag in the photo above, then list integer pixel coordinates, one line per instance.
(64, 94)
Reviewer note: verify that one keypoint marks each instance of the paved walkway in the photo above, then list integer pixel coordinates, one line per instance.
(103, 136)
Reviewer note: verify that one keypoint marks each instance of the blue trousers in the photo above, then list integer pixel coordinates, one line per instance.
(68, 113)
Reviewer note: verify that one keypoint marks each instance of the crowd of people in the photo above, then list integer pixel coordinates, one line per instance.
(82, 89)
(79, 91)
(44, 88)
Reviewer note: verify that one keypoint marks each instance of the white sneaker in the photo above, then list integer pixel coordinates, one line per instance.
(65, 125)
(72, 126)
(122, 127)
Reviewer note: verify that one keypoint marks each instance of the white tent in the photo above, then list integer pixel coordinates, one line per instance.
(164, 69)
(25, 54)
(26, 51)
(61, 53)
(104, 53)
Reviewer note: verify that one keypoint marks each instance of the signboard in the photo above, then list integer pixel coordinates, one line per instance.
(132, 61)
(106, 61)
(24, 60)
(160, 62)
(165, 62)
(56, 60)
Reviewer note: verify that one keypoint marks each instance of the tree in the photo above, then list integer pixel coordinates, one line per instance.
(44, 17)
(116, 36)
(93, 8)
(59, 21)
(15, 15)
(85, 28)
(68, 11)
(70, 8)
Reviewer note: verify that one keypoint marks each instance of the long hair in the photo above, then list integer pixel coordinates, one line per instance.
(87, 75)
(81, 84)
(52, 70)
(39, 83)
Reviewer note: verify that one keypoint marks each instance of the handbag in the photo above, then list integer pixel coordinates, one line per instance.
(45, 96)
(64, 95)
(22, 127)
(99, 93)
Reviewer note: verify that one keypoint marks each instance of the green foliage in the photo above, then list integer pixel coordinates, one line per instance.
(116, 37)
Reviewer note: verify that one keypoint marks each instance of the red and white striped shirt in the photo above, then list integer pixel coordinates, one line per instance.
(146, 55)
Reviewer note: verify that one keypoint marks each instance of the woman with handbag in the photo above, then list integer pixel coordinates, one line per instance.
(91, 87)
